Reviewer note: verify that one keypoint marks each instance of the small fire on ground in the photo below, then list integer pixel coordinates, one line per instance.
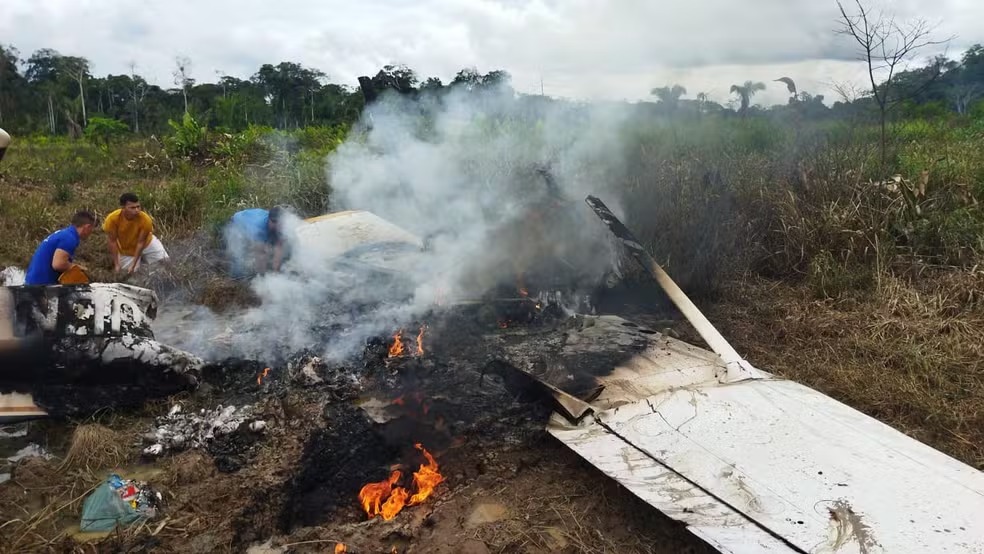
(386, 499)
(399, 349)
(340, 547)
(262, 376)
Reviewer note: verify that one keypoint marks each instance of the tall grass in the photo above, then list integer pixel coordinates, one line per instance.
(709, 196)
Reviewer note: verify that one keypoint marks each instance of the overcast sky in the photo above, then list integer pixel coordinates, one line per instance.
(618, 49)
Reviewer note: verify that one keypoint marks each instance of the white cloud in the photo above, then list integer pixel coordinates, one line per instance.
(580, 48)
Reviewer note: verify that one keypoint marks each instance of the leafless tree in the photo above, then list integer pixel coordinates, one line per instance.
(77, 68)
(849, 92)
(137, 92)
(886, 46)
(963, 95)
(182, 77)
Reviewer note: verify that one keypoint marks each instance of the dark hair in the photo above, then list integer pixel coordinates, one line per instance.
(128, 197)
(83, 217)
(275, 213)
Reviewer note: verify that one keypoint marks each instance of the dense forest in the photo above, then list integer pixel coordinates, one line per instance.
(52, 93)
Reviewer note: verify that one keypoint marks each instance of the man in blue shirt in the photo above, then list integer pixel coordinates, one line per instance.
(54, 254)
(253, 238)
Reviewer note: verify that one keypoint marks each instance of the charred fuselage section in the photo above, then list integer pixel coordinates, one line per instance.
(98, 349)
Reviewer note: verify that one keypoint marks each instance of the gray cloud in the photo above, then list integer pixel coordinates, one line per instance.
(579, 48)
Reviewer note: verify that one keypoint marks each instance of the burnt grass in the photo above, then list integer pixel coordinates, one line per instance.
(439, 404)
(454, 401)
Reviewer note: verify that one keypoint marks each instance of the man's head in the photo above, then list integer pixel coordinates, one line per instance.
(130, 205)
(84, 222)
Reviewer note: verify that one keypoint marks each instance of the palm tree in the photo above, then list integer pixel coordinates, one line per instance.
(669, 95)
(790, 86)
(702, 100)
(746, 92)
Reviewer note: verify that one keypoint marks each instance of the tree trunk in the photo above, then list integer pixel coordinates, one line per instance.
(85, 120)
(883, 145)
(51, 114)
(74, 129)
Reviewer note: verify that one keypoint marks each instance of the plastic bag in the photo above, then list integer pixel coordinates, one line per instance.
(119, 502)
(104, 509)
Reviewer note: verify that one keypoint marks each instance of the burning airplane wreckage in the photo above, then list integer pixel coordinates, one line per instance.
(747, 461)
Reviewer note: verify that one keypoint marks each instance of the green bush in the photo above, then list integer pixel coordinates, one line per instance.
(322, 139)
(189, 140)
(104, 131)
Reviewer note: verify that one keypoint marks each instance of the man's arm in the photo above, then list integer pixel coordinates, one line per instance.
(114, 249)
(278, 255)
(61, 261)
(259, 257)
(142, 242)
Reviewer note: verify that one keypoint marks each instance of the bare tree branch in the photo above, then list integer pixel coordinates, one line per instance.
(887, 46)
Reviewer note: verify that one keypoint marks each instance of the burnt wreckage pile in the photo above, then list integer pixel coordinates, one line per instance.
(466, 391)
(456, 382)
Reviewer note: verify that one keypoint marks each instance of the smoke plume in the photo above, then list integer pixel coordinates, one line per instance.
(493, 186)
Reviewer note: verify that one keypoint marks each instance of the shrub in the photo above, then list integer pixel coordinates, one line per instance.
(104, 131)
(189, 140)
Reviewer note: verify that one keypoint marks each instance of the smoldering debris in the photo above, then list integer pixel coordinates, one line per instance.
(178, 430)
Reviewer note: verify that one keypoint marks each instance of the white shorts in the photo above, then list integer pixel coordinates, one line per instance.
(152, 254)
(6, 314)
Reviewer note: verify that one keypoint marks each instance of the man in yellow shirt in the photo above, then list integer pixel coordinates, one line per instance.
(130, 233)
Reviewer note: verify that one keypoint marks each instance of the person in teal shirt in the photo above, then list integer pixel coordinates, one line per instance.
(254, 241)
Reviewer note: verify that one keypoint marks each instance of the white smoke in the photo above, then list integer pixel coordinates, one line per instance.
(464, 172)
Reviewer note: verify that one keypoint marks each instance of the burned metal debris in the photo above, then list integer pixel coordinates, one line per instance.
(177, 430)
(99, 349)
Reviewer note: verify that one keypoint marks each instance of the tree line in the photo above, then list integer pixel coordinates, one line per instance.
(48, 92)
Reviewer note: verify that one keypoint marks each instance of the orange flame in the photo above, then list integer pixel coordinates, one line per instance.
(420, 341)
(340, 548)
(503, 324)
(261, 376)
(397, 348)
(371, 496)
(425, 480)
(394, 503)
